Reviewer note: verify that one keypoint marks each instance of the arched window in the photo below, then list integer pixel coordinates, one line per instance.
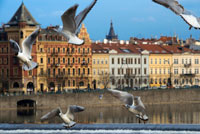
(16, 85)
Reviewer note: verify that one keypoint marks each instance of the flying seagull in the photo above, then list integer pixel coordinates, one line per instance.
(24, 54)
(67, 118)
(132, 103)
(178, 9)
(71, 23)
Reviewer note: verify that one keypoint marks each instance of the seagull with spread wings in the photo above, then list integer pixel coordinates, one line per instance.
(24, 54)
(71, 23)
(132, 103)
(178, 9)
(67, 118)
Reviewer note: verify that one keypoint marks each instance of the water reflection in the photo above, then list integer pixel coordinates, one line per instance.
(158, 114)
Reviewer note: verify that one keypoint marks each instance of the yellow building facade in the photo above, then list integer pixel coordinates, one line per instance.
(100, 67)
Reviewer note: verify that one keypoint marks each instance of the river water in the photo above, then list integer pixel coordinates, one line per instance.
(166, 115)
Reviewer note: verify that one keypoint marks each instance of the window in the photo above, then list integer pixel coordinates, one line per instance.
(63, 71)
(151, 61)
(97, 61)
(135, 61)
(113, 61)
(41, 71)
(138, 60)
(49, 72)
(196, 71)
(73, 83)
(135, 71)
(151, 71)
(94, 71)
(159, 61)
(73, 71)
(182, 61)
(54, 60)
(155, 71)
(58, 60)
(69, 83)
(30, 72)
(63, 50)
(155, 61)
(145, 61)
(88, 71)
(106, 61)
(79, 71)
(84, 71)
(118, 71)
(139, 71)
(160, 71)
(118, 60)
(175, 71)
(88, 50)
(58, 50)
(73, 60)
(54, 72)
(93, 61)
(164, 71)
(196, 61)
(182, 71)
(113, 71)
(102, 61)
(63, 60)
(68, 71)
(59, 71)
(48, 60)
(175, 61)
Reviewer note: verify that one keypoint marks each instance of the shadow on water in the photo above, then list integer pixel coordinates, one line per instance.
(158, 114)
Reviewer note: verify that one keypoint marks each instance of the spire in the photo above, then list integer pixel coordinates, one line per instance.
(111, 35)
(22, 15)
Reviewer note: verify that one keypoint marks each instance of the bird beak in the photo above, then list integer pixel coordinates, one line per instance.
(81, 108)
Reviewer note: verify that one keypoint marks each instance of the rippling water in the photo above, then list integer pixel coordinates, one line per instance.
(187, 114)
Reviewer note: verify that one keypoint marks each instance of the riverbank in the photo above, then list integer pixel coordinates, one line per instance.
(96, 98)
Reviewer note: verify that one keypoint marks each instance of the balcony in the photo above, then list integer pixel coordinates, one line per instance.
(187, 65)
(187, 75)
(54, 54)
(55, 65)
(84, 63)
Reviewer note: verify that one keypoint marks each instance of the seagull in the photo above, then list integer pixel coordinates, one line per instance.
(71, 23)
(132, 103)
(67, 118)
(178, 9)
(24, 54)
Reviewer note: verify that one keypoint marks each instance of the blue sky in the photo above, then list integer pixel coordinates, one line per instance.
(131, 18)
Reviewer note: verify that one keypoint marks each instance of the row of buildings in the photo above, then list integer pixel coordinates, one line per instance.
(111, 63)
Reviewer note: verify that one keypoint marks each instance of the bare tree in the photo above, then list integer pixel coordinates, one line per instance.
(104, 79)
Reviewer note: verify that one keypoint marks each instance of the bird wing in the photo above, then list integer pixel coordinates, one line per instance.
(138, 101)
(125, 97)
(81, 16)
(28, 42)
(171, 4)
(73, 109)
(191, 20)
(51, 114)
(68, 19)
(15, 46)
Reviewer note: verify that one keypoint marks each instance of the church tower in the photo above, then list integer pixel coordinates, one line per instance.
(111, 35)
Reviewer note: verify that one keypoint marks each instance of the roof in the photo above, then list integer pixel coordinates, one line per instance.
(111, 35)
(120, 48)
(154, 49)
(22, 15)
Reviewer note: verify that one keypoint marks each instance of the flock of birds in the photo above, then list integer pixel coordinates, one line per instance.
(71, 24)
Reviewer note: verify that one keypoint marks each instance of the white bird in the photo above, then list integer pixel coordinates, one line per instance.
(132, 103)
(71, 23)
(178, 9)
(67, 118)
(24, 54)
